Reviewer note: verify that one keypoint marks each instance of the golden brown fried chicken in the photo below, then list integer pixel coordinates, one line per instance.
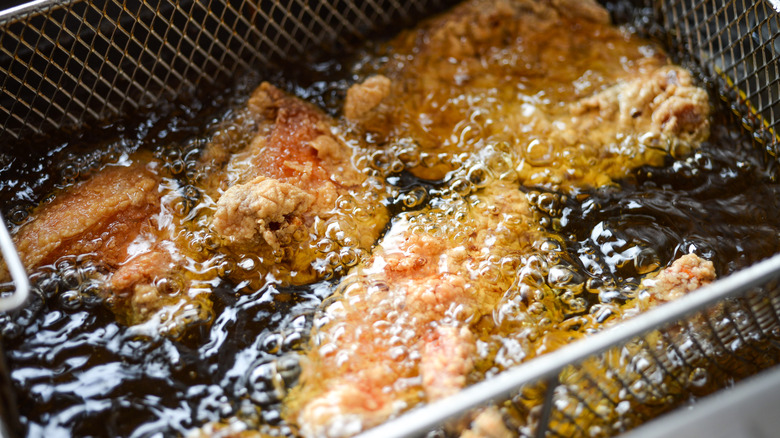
(481, 85)
(580, 107)
(488, 424)
(685, 275)
(103, 214)
(402, 330)
(112, 219)
(364, 97)
(588, 403)
(398, 332)
(293, 196)
(639, 121)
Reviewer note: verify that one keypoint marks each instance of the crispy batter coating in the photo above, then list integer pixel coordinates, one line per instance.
(686, 274)
(400, 326)
(113, 219)
(260, 209)
(568, 110)
(500, 71)
(364, 97)
(488, 424)
(279, 196)
(567, 114)
(653, 358)
(447, 358)
(102, 214)
(595, 140)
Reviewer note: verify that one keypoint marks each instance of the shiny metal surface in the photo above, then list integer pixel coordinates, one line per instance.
(504, 385)
(21, 282)
(65, 64)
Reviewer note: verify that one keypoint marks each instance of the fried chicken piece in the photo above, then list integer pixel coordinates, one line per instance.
(364, 97)
(457, 78)
(103, 214)
(111, 218)
(292, 195)
(447, 358)
(686, 274)
(488, 424)
(610, 392)
(663, 101)
(261, 208)
(577, 114)
(596, 140)
(655, 367)
(474, 82)
(400, 326)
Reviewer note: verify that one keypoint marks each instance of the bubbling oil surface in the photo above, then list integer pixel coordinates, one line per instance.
(76, 371)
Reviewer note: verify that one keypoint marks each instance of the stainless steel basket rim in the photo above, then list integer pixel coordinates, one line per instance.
(35, 6)
(423, 419)
(547, 366)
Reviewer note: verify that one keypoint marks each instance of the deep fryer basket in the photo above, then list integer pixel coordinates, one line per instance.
(65, 64)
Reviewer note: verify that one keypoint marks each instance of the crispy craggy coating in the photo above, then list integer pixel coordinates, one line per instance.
(113, 219)
(566, 114)
(447, 359)
(491, 72)
(282, 197)
(639, 121)
(488, 424)
(261, 208)
(288, 196)
(400, 327)
(102, 214)
(364, 97)
(685, 275)
(628, 375)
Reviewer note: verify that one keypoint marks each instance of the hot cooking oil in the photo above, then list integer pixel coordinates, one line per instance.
(79, 369)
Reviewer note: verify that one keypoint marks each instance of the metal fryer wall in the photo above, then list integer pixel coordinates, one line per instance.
(68, 64)
(65, 63)
(737, 44)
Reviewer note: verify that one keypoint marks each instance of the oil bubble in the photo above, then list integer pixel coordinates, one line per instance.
(70, 299)
(428, 160)
(396, 166)
(349, 258)
(271, 343)
(326, 246)
(479, 176)
(346, 203)
(698, 377)
(70, 172)
(265, 383)
(380, 161)
(461, 186)
(408, 152)
(170, 286)
(646, 261)
(415, 197)
(247, 264)
(467, 132)
(539, 152)
(18, 214)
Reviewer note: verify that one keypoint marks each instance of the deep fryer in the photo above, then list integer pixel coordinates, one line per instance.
(66, 64)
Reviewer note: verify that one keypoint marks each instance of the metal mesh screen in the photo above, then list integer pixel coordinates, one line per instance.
(67, 64)
(616, 380)
(737, 44)
(638, 380)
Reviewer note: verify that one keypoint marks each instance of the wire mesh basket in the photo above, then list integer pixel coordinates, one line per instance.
(67, 64)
